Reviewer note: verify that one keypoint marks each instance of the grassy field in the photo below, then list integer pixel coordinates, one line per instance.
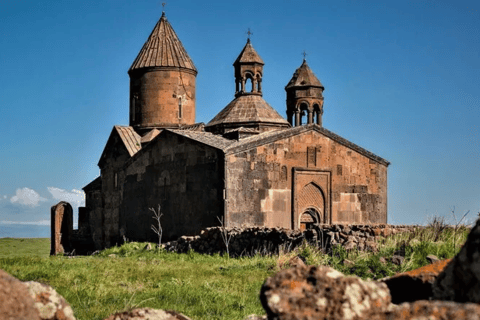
(32, 247)
(200, 286)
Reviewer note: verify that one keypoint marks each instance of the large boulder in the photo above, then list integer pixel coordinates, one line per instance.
(430, 310)
(460, 280)
(319, 292)
(15, 301)
(148, 314)
(49, 304)
(416, 284)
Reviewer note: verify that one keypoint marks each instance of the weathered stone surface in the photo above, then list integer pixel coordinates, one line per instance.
(460, 280)
(430, 310)
(398, 260)
(49, 304)
(416, 284)
(148, 314)
(321, 293)
(256, 317)
(432, 258)
(15, 301)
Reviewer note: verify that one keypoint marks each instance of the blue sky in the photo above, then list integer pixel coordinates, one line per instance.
(402, 79)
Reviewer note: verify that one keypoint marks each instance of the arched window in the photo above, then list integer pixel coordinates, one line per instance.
(303, 113)
(180, 111)
(317, 114)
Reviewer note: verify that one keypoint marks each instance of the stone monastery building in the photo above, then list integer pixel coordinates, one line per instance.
(248, 165)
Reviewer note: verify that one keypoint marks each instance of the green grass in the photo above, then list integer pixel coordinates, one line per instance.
(13, 247)
(200, 286)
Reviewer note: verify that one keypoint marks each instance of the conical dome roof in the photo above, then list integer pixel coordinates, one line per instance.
(248, 55)
(163, 49)
(250, 109)
(304, 77)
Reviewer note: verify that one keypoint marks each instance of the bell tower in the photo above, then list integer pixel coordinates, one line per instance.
(304, 97)
(248, 69)
(162, 82)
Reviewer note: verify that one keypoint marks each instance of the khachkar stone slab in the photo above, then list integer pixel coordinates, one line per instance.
(61, 228)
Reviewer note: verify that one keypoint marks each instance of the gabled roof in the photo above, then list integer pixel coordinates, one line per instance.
(130, 140)
(248, 109)
(304, 77)
(271, 136)
(248, 55)
(163, 49)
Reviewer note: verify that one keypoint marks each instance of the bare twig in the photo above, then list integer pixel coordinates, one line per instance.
(158, 230)
(225, 236)
(456, 226)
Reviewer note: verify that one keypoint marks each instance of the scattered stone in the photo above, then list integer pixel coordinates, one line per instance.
(460, 280)
(348, 263)
(383, 260)
(148, 247)
(432, 258)
(419, 283)
(49, 304)
(15, 301)
(255, 317)
(371, 246)
(398, 260)
(319, 292)
(148, 314)
(350, 245)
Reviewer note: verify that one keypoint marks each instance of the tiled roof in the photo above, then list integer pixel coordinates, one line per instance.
(248, 55)
(213, 140)
(248, 109)
(150, 135)
(304, 76)
(163, 49)
(130, 139)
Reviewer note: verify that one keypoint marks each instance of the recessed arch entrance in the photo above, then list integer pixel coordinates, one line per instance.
(309, 218)
(311, 198)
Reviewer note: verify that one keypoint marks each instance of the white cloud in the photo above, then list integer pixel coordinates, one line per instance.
(75, 197)
(27, 197)
(38, 223)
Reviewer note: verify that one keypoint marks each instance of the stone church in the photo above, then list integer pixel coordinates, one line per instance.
(248, 166)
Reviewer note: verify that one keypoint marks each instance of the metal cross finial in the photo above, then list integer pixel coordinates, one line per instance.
(163, 8)
(249, 33)
(304, 55)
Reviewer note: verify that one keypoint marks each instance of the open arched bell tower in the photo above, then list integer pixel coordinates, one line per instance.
(304, 97)
(248, 69)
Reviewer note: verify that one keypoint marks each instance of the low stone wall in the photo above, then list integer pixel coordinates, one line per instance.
(251, 240)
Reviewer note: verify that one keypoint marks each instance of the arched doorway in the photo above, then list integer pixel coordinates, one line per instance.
(310, 206)
(308, 218)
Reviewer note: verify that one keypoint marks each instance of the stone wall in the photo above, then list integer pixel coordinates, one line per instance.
(268, 182)
(250, 240)
(183, 177)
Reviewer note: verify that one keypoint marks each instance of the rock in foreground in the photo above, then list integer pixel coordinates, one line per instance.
(15, 301)
(49, 304)
(312, 292)
(460, 281)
